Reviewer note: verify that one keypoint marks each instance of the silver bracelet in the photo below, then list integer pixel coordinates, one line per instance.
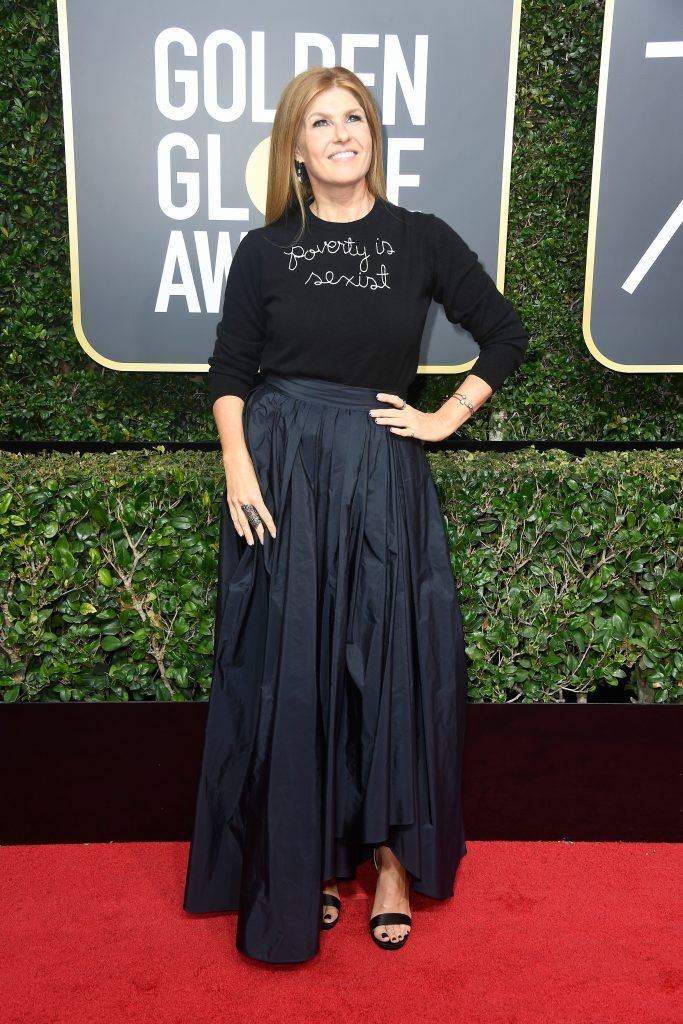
(463, 400)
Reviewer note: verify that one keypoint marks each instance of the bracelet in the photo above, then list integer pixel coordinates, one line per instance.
(463, 400)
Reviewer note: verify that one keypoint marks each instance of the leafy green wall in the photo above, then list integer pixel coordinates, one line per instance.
(569, 573)
(49, 387)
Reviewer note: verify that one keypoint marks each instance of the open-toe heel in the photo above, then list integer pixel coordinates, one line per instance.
(331, 901)
(389, 917)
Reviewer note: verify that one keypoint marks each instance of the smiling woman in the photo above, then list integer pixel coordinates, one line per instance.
(336, 720)
(340, 136)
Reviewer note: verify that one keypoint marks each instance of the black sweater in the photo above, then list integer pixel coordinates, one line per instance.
(348, 301)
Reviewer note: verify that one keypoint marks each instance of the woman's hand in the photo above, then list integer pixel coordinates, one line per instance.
(410, 422)
(243, 489)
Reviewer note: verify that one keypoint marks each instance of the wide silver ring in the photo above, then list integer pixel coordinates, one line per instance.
(253, 518)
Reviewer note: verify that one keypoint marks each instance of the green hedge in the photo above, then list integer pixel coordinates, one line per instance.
(568, 581)
(49, 387)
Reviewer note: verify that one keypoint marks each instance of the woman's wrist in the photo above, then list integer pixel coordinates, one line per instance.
(453, 414)
(464, 402)
(235, 455)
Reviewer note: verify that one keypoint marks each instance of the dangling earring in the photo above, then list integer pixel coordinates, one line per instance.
(299, 170)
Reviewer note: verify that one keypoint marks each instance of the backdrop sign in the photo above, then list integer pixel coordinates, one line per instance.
(168, 108)
(632, 318)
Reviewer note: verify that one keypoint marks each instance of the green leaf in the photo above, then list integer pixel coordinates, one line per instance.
(111, 643)
(104, 576)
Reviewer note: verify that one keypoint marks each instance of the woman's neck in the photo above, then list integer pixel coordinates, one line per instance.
(340, 211)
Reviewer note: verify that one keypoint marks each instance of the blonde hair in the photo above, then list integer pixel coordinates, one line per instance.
(284, 188)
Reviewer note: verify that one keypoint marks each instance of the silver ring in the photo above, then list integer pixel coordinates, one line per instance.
(253, 518)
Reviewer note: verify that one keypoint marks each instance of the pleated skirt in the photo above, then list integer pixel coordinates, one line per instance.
(337, 708)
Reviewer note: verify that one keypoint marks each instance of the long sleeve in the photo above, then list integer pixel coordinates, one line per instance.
(471, 297)
(241, 333)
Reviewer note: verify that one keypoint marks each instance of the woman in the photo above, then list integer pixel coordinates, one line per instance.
(336, 716)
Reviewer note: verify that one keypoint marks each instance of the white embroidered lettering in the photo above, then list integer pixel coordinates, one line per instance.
(362, 278)
(360, 281)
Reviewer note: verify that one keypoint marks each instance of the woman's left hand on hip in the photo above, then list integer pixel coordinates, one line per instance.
(409, 422)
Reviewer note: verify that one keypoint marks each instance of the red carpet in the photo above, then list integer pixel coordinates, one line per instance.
(536, 932)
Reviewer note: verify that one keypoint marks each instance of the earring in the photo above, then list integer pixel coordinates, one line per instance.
(299, 170)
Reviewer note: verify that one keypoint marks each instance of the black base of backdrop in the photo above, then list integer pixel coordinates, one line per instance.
(74, 773)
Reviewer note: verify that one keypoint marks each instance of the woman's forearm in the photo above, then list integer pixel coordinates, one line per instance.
(227, 412)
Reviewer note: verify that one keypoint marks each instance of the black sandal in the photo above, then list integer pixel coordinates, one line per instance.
(389, 917)
(331, 901)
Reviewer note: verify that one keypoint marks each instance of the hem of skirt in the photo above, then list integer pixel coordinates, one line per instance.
(210, 910)
(263, 960)
(416, 884)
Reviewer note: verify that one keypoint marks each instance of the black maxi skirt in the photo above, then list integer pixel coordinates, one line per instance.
(337, 708)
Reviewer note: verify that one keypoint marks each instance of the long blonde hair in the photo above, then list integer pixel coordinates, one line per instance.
(284, 188)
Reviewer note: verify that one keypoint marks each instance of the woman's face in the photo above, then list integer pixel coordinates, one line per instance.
(334, 123)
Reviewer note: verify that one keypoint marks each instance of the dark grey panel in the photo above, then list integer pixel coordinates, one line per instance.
(635, 290)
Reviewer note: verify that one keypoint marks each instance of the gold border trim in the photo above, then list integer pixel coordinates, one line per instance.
(593, 214)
